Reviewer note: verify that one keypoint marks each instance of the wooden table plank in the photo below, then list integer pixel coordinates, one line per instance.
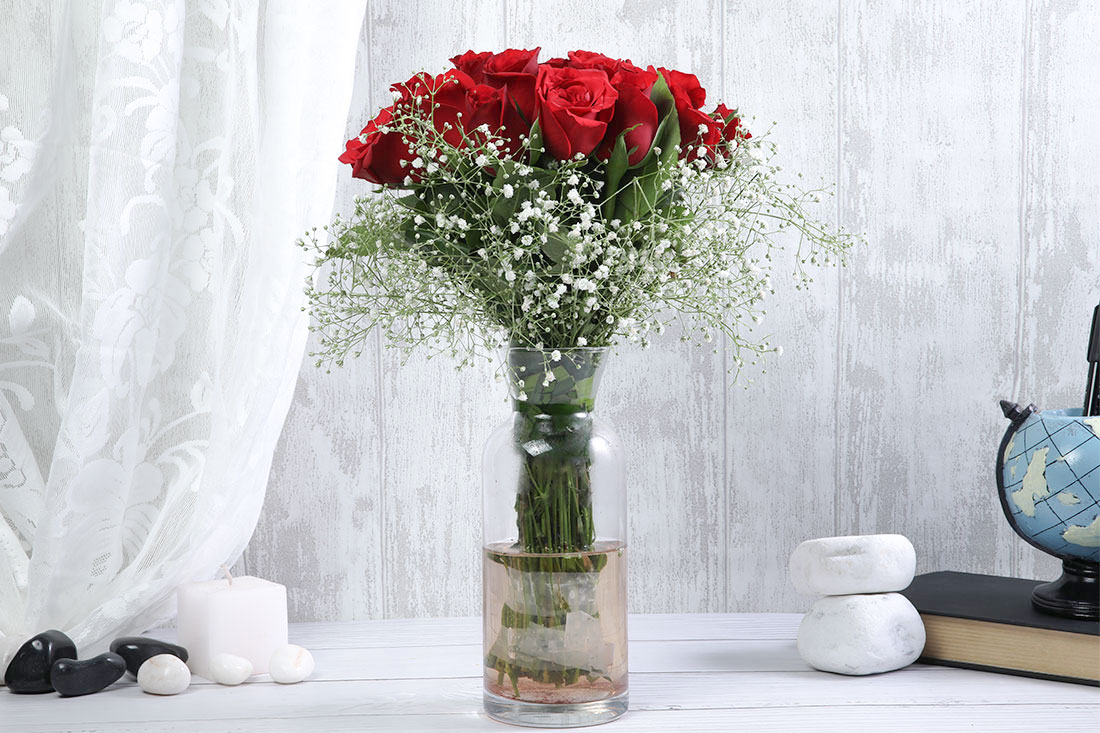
(895, 718)
(678, 683)
(733, 692)
(464, 630)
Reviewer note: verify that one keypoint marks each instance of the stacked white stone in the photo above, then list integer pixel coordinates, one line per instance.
(861, 625)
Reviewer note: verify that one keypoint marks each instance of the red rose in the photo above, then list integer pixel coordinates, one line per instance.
(511, 62)
(485, 105)
(730, 127)
(376, 156)
(633, 108)
(698, 131)
(634, 111)
(629, 74)
(575, 106)
(619, 71)
(515, 70)
(442, 99)
(472, 64)
(685, 85)
(590, 60)
(490, 106)
(636, 114)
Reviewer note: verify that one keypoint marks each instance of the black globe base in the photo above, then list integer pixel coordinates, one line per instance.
(1074, 595)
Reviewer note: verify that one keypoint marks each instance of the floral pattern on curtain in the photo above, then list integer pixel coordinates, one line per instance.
(158, 159)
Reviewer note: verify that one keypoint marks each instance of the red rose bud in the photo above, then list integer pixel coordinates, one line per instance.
(515, 69)
(731, 129)
(686, 86)
(485, 104)
(591, 60)
(635, 113)
(472, 64)
(630, 75)
(501, 66)
(376, 156)
(698, 131)
(439, 98)
(619, 71)
(489, 106)
(575, 106)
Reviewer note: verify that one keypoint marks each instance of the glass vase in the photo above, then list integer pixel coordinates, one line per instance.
(554, 567)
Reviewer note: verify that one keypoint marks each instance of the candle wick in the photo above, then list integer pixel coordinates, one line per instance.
(227, 574)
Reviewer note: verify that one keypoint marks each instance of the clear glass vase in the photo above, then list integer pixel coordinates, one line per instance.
(554, 568)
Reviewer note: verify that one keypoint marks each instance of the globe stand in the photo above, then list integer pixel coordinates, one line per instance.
(1074, 595)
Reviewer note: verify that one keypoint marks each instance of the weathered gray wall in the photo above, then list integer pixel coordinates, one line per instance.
(963, 139)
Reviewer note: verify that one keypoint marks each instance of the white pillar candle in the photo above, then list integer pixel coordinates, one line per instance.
(244, 616)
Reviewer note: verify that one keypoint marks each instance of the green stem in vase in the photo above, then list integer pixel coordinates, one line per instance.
(554, 498)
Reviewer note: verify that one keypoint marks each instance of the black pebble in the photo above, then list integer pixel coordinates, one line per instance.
(29, 670)
(72, 678)
(136, 649)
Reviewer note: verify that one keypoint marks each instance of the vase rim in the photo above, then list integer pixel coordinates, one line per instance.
(567, 378)
(562, 349)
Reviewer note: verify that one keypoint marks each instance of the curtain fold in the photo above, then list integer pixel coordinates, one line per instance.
(158, 159)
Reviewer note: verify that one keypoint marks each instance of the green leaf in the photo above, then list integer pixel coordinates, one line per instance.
(535, 143)
(640, 196)
(555, 247)
(409, 230)
(662, 97)
(667, 136)
(505, 170)
(616, 167)
(411, 202)
(503, 208)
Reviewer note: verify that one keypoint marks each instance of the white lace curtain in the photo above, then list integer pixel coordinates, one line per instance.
(158, 158)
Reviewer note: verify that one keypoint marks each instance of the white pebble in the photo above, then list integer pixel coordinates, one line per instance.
(164, 674)
(835, 566)
(862, 634)
(290, 664)
(229, 669)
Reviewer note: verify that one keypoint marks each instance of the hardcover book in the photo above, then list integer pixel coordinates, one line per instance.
(987, 622)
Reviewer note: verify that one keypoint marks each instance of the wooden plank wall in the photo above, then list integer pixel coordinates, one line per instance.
(962, 137)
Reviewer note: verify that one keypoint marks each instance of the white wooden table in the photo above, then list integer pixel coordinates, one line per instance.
(698, 673)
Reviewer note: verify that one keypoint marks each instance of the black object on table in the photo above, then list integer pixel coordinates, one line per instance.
(72, 677)
(29, 670)
(1092, 389)
(135, 650)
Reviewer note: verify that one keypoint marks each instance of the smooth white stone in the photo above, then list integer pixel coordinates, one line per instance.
(836, 566)
(290, 664)
(861, 634)
(229, 669)
(164, 674)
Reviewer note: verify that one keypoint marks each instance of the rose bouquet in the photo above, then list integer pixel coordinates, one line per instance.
(557, 208)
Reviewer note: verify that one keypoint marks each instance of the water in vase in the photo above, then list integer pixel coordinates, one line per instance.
(555, 624)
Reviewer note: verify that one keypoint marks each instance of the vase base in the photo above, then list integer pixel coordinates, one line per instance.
(548, 715)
